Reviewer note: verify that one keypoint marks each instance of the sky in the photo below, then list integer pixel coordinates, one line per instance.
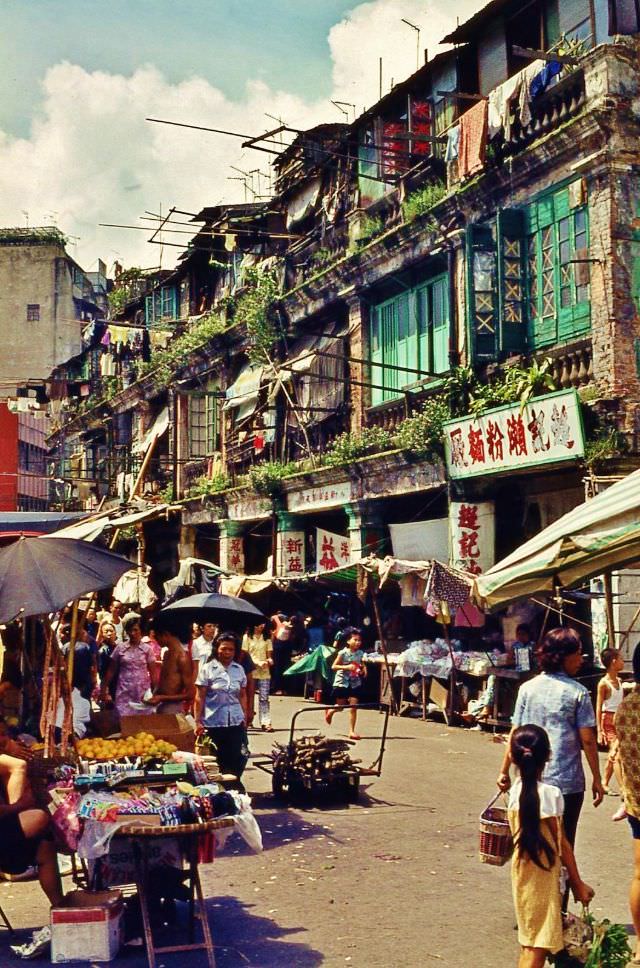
(81, 76)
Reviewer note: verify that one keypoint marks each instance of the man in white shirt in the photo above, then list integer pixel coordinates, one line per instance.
(201, 647)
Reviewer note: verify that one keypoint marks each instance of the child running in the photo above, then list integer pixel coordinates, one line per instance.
(535, 818)
(608, 699)
(350, 674)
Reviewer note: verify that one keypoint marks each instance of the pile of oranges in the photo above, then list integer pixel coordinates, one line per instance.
(142, 744)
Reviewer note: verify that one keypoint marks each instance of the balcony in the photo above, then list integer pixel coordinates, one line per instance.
(571, 366)
(558, 104)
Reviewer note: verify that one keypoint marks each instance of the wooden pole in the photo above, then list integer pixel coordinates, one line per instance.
(383, 645)
(453, 678)
(72, 643)
(608, 598)
(636, 616)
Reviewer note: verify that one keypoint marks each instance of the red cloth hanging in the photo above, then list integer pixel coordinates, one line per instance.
(473, 139)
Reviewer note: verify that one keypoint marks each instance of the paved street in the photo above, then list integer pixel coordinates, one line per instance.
(392, 881)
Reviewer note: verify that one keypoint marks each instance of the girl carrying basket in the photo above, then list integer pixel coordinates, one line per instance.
(535, 817)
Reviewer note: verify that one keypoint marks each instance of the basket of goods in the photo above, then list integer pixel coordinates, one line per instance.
(591, 943)
(496, 840)
(43, 771)
(142, 745)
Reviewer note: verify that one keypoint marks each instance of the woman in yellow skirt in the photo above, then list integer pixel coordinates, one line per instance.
(535, 818)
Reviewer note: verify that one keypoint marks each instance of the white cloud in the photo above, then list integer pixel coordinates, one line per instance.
(91, 157)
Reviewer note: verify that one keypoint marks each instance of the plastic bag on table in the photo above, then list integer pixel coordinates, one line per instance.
(245, 823)
(66, 824)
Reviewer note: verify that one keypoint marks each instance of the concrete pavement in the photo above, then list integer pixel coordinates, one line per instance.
(392, 881)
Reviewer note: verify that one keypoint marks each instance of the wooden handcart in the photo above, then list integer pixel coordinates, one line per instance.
(140, 837)
(320, 775)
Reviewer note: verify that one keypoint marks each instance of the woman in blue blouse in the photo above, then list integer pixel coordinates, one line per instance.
(221, 704)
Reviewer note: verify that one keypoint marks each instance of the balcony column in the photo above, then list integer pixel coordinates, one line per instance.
(232, 546)
(359, 373)
(290, 545)
(367, 531)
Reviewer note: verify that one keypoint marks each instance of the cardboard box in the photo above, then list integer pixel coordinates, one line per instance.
(118, 865)
(106, 722)
(174, 729)
(88, 928)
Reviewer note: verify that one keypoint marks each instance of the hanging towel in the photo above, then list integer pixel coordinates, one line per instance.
(499, 108)
(453, 141)
(542, 80)
(524, 102)
(473, 139)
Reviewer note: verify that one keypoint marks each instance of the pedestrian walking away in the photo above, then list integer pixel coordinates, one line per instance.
(535, 817)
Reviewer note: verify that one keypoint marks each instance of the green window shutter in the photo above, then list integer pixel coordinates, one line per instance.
(545, 211)
(440, 324)
(574, 315)
(481, 292)
(512, 331)
(561, 204)
(421, 303)
(375, 324)
(148, 310)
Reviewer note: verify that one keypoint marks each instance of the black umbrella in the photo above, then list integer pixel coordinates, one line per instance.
(225, 610)
(40, 575)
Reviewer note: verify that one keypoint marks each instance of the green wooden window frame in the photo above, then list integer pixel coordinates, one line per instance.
(409, 330)
(162, 305)
(558, 286)
(203, 424)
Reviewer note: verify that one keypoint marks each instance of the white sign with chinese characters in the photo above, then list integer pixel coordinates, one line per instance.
(324, 496)
(291, 553)
(472, 535)
(332, 550)
(546, 430)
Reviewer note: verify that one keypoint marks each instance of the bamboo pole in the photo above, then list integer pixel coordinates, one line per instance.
(608, 598)
(383, 645)
(72, 642)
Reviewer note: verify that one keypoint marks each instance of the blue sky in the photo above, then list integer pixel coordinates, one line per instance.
(224, 41)
(80, 77)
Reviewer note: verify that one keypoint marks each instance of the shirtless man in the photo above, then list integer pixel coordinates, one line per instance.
(175, 686)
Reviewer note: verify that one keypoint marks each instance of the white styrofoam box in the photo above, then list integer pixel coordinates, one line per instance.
(85, 933)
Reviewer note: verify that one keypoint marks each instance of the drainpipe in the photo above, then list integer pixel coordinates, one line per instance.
(454, 356)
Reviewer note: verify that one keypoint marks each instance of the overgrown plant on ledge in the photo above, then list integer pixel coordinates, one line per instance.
(256, 309)
(422, 200)
(349, 447)
(163, 363)
(604, 444)
(266, 479)
(204, 486)
(422, 433)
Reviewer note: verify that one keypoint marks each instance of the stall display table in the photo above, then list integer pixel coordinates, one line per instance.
(140, 837)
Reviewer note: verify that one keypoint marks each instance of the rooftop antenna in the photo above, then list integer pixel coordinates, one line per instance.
(417, 30)
(343, 105)
(280, 121)
(380, 78)
(26, 217)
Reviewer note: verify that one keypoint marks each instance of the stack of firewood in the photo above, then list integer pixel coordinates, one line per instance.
(316, 756)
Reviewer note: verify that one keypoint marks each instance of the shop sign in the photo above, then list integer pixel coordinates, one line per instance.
(324, 496)
(248, 508)
(332, 550)
(291, 553)
(235, 554)
(472, 535)
(546, 430)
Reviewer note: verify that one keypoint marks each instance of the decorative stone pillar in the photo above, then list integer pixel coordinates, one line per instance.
(359, 372)
(232, 546)
(290, 546)
(367, 531)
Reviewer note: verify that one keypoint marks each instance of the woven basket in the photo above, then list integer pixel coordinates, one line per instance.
(496, 841)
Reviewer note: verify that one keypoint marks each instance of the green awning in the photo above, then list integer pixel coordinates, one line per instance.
(597, 536)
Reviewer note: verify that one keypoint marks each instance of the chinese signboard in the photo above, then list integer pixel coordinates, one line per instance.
(235, 554)
(546, 430)
(332, 550)
(472, 535)
(325, 496)
(291, 553)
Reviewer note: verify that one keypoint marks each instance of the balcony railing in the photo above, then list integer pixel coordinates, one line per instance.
(549, 111)
(571, 366)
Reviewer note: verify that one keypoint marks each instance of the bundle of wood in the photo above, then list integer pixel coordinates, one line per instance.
(316, 756)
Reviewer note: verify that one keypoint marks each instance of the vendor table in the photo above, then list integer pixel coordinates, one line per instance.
(190, 834)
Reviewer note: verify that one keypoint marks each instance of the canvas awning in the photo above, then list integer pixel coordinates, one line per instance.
(316, 368)
(91, 528)
(597, 536)
(156, 430)
(242, 396)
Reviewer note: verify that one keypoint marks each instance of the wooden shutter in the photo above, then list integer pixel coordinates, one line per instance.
(512, 330)
(440, 324)
(481, 292)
